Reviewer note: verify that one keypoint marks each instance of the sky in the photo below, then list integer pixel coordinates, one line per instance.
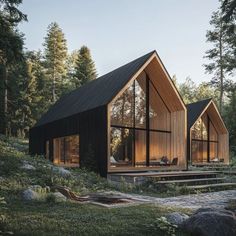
(119, 31)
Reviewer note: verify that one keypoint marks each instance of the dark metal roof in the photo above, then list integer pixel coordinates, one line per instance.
(95, 93)
(195, 109)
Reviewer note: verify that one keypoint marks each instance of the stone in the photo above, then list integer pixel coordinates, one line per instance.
(176, 218)
(211, 222)
(2, 179)
(59, 197)
(30, 195)
(62, 171)
(27, 166)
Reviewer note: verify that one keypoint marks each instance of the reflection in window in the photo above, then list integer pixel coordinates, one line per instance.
(129, 128)
(199, 151)
(159, 147)
(66, 150)
(159, 116)
(140, 147)
(140, 102)
(199, 130)
(122, 109)
(204, 144)
(121, 147)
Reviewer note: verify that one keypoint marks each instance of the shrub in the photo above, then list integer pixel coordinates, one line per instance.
(51, 198)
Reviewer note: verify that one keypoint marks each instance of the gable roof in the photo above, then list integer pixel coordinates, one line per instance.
(95, 93)
(195, 110)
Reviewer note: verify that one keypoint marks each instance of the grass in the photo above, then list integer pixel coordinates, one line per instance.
(75, 219)
(64, 218)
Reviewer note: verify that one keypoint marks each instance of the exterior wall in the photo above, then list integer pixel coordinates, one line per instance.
(91, 127)
(223, 147)
(179, 137)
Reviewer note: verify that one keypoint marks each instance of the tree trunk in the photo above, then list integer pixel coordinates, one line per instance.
(4, 101)
(53, 89)
(221, 73)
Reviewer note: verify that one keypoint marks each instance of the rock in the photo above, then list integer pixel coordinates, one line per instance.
(30, 195)
(211, 222)
(222, 211)
(176, 218)
(59, 197)
(27, 166)
(62, 171)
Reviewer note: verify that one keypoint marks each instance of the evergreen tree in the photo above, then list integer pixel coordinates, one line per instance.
(11, 52)
(55, 55)
(187, 90)
(229, 9)
(230, 117)
(220, 55)
(85, 67)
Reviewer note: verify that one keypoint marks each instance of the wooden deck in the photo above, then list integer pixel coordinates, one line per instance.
(140, 177)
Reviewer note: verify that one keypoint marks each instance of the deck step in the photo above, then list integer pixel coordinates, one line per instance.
(191, 181)
(185, 176)
(206, 186)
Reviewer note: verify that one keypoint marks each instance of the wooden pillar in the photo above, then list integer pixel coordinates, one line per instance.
(147, 122)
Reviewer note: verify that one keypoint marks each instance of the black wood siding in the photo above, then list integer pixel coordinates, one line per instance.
(91, 127)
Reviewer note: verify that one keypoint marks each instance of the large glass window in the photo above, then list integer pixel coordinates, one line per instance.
(66, 150)
(204, 141)
(159, 147)
(122, 150)
(134, 141)
(159, 116)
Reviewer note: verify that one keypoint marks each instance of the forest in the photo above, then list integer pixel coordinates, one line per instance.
(32, 81)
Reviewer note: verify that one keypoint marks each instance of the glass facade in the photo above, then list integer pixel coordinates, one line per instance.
(204, 141)
(140, 127)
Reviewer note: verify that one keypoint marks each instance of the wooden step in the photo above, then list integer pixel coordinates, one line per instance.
(185, 176)
(219, 185)
(187, 181)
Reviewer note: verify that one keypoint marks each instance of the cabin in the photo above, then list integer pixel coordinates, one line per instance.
(131, 119)
(208, 137)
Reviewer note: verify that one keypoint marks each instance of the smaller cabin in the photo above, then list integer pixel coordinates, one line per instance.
(208, 137)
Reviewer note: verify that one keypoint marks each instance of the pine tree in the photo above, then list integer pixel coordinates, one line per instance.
(230, 117)
(11, 52)
(55, 55)
(220, 56)
(187, 90)
(85, 67)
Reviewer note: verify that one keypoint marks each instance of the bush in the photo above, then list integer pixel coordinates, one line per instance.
(51, 198)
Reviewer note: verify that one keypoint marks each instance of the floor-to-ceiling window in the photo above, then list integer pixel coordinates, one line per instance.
(66, 150)
(204, 143)
(140, 127)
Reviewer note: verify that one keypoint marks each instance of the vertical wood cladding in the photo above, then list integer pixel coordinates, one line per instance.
(91, 127)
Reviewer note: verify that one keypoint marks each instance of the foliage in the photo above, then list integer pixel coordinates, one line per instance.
(11, 52)
(230, 117)
(85, 68)
(166, 226)
(229, 10)
(55, 59)
(89, 160)
(63, 218)
(51, 199)
(222, 54)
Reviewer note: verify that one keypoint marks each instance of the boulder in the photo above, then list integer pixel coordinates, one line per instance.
(62, 171)
(211, 222)
(27, 166)
(59, 197)
(30, 194)
(176, 218)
